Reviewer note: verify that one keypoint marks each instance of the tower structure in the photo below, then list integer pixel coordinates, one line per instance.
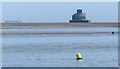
(79, 17)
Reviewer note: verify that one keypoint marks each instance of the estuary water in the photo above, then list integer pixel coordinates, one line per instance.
(58, 47)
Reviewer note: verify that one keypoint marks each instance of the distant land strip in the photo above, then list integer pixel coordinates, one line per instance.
(93, 24)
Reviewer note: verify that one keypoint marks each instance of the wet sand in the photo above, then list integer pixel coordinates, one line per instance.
(28, 45)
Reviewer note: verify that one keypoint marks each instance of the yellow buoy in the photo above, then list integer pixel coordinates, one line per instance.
(78, 55)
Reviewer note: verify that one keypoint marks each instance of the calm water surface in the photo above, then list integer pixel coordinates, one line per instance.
(37, 47)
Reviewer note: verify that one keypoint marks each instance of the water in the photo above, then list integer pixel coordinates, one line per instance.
(58, 47)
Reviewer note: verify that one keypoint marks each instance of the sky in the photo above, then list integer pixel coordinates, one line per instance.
(60, 0)
(59, 11)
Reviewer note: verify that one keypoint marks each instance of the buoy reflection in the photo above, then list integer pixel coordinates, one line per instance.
(79, 60)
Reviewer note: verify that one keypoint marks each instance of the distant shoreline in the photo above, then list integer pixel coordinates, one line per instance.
(101, 23)
(59, 25)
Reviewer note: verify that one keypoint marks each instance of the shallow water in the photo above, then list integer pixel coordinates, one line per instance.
(99, 47)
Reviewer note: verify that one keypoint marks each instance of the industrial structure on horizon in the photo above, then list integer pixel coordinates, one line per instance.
(79, 17)
(18, 20)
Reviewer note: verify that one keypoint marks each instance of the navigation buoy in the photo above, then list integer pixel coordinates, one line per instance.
(112, 32)
(78, 55)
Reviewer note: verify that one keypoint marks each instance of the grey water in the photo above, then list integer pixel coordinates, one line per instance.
(99, 47)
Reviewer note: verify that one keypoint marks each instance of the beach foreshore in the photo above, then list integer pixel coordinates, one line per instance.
(56, 44)
(58, 47)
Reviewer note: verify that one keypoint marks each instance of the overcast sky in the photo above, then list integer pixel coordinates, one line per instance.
(59, 11)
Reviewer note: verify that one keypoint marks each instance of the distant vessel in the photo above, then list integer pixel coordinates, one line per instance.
(14, 21)
(79, 17)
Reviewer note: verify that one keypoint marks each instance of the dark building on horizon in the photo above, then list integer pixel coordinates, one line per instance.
(18, 20)
(13, 21)
(79, 17)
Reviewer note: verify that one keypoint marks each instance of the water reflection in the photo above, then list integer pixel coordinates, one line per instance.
(79, 60)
